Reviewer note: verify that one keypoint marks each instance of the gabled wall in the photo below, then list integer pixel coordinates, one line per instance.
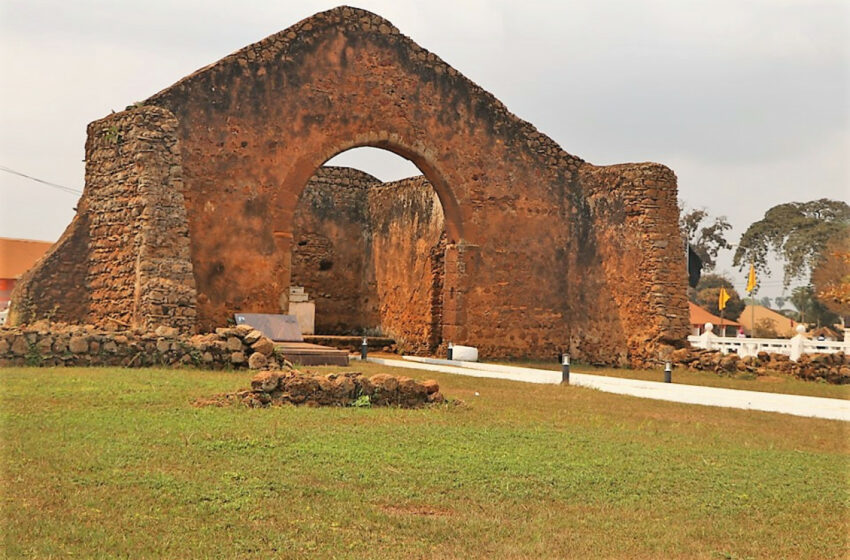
(196, 193)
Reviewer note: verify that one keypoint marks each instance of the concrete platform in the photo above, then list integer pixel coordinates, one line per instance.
(306, 354)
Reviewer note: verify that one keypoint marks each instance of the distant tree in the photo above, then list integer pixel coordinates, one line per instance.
(764, 302)
(797, 232)
(707, 295)
(790, 313)
(810, 309)
(831, 276)
(706, 236)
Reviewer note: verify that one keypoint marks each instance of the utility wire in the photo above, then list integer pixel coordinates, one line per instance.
(43, 182)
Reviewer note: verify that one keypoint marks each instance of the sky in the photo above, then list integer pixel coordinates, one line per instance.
(748, 101)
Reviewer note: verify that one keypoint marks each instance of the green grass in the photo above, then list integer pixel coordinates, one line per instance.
(774, 383)
(110, 463)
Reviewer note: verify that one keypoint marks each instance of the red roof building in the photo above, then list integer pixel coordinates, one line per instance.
(699, 317)
(16, 257)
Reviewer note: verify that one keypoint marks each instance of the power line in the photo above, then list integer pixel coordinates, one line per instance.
(43, 182)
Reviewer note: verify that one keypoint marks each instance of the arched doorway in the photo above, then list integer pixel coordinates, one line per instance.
(369, 249)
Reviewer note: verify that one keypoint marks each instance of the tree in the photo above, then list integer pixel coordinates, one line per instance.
(707, 293)
(705, 235)
(831, 276)
(797, 232)
(811, 310)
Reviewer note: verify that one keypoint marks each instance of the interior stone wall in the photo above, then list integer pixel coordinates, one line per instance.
(408, 244)
(386, 237)
(370, 255)
(331, 250)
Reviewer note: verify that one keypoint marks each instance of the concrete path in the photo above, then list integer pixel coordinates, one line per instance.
(798, 405)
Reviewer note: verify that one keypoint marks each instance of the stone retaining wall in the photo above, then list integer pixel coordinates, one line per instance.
(46, 344)
(832, 368)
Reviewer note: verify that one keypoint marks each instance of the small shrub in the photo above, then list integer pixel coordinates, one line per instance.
(363, 401)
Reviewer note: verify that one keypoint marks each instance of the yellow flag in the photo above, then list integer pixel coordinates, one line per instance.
(751, 279)
(722, 299)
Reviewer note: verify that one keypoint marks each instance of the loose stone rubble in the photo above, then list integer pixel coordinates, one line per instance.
(278, 388)
(831, 368)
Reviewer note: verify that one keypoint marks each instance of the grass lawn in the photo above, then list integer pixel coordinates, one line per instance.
(111, 463)
(775, 383)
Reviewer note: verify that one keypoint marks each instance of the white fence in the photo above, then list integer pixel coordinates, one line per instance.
(793, 347)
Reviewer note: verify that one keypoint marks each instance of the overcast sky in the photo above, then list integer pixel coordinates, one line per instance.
(747, 101)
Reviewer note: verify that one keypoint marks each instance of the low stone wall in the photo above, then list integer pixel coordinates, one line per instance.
(337, 389)
(55, 344)
(832, 368)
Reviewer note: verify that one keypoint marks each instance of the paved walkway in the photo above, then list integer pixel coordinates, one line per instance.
(798, 405)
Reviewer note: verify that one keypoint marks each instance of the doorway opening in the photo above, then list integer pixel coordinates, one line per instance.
(368, 248)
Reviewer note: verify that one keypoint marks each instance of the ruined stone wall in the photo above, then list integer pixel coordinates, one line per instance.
(542, 251)
(255, 126)
(124, 260)
(55, 287)
(623, 261)
(627, 296)
(370, 254)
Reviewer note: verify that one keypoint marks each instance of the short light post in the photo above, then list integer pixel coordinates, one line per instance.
(668, 373)
(450, 350)
(565, 369)
(364, 349)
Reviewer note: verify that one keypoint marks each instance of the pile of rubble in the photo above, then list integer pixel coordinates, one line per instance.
(832, 368)
(337, 389)
(56, 344)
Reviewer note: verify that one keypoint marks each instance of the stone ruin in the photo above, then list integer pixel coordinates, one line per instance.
(292, 387)
(209, 198)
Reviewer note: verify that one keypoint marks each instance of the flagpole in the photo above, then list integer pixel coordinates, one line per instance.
(752, 314)
(751, 286)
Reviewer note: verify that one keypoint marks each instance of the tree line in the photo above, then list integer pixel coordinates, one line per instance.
(810, 239)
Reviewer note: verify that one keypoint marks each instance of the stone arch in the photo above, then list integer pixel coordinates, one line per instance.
(451, 318)
(391, 143)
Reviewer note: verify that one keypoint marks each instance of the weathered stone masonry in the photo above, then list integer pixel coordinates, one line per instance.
(124, 260)
(370, 254)
(543, 252)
